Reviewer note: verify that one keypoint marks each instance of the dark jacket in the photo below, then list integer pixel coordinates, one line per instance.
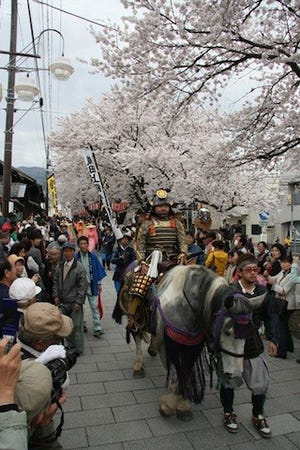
(122, 258)
(37, 256)
(73, 288)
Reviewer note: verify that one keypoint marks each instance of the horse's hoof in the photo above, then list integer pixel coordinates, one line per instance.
(165, 411)
(139, 373)
(152, 352)
(168, 404)
(184, 416)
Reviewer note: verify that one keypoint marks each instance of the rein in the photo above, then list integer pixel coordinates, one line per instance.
(235, 355)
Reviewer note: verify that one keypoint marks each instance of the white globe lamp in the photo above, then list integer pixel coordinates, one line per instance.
(61, 68)
(26, 89)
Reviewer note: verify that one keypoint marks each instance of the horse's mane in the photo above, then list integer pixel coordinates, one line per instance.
(199, 284)
(176, 275)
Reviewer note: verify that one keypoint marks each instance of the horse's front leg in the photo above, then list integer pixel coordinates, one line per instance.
(173, 403)
(152, 349)
(138, 368)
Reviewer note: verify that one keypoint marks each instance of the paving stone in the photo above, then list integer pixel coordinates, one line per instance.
(282, 404)
(149, 372)
(107, 400)
(127, 385)
(285, 375)
(86, 389)
(115, 446)
(72, 404)
(104, 366)
(123, 348)
(294, 438)
(125, 355)
(160, 381)
(161, 426)
(275, 443)
(135, 412)
(84, 367)
(92, 377)
(176, 441)
(72, 377)
(217, 437)
(88, 418)
(209, 402)
(119, 432)
(71, 440)
(102, 356)
(149, 395)
(284, 388)
(98, 358)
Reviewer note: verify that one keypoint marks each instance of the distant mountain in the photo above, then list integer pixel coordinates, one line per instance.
(37, 173)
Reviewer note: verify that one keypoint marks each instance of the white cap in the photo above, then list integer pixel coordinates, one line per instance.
(23, 289)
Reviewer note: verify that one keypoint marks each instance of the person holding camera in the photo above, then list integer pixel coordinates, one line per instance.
(13, 423)
(26, 406)
(36, 396)
(42, 328)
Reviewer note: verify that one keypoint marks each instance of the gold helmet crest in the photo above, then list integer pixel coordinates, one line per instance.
(161, 198)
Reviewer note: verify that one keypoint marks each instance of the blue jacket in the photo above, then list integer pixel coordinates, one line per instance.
(97, 272)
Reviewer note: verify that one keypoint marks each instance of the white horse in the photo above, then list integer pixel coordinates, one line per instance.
(187, 302)
(184, 308)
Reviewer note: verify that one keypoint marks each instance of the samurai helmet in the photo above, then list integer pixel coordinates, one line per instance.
(161, 198)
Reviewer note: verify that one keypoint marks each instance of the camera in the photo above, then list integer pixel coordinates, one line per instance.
(59, 368)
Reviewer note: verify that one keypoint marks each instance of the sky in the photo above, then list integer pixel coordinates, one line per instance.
(66, 96)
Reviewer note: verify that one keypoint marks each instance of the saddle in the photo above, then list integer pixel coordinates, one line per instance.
(164, 266)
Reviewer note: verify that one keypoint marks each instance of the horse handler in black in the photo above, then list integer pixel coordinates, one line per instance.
(255, 369)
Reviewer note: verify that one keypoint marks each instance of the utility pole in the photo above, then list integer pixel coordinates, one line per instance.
(10, 100)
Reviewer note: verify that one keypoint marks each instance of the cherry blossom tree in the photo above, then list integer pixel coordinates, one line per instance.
(140, 147)
(189, 51)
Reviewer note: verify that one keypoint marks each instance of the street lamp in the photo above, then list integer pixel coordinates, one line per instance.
(61, 70)
(26, 90)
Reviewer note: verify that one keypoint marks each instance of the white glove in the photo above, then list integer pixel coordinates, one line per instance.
(52, 352)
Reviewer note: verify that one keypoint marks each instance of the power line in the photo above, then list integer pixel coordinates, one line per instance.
(38, 76)
(70, 14)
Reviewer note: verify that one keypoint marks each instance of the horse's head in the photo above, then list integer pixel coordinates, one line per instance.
(236, 302)
(233, 325)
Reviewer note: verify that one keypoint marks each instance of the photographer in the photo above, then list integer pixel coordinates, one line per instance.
(13, 424)
(42, 326)
(41, 331)
(34, 396)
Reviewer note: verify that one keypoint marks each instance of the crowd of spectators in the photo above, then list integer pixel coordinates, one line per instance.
(50, 268)
(276, 271)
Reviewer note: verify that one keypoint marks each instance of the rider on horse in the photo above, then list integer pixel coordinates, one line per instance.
(161, 230)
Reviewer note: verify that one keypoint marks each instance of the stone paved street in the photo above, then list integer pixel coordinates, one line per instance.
(108, 409)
